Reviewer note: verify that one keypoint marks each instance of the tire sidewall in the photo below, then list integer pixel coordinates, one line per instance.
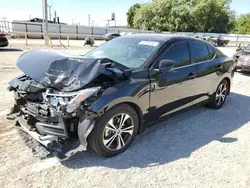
(96, 140)
(214, 97)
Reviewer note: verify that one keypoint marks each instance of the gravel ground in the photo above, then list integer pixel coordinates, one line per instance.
(197, 148)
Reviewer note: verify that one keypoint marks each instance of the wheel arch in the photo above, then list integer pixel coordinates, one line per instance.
(137, 109)
(227, 78)
(229, 84)
(139, 114)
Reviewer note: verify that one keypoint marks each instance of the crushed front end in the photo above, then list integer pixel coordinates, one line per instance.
(48, 116)
(52, 100)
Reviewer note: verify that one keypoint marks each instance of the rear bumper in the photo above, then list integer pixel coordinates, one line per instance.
(4, 44)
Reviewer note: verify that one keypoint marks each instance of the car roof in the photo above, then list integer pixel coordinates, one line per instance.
(157, 37)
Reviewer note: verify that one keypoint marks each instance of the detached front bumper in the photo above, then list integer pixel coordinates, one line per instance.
(54, 132)
(50, 139)
(44, 140)
(42, 129)
(34, 117)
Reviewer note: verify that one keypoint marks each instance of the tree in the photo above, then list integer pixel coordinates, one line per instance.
(185, 16)
(131, 13)
(143, 18)
(213, 16)
(165, 15)
(243, 24)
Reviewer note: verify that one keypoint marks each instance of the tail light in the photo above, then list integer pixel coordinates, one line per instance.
(3, 36)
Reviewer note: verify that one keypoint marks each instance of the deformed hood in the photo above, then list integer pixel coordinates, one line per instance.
(61, 71)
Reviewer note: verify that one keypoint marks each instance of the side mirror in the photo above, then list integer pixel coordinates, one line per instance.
(166, 65)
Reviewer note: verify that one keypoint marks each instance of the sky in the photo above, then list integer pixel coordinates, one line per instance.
(77, 11)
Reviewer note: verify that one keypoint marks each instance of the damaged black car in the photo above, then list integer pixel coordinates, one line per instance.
(108, 96)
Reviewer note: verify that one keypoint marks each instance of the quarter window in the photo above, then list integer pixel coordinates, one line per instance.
(179, 53)
(219, 54)
(199, 51)
(211, 51)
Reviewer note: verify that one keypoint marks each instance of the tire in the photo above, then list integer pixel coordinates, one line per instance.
(216, 101)
(110, 140)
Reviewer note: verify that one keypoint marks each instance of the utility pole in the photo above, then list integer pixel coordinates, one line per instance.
(55, 16)
(50, 15)
(73, 21)
(45, 22)
(89, 19)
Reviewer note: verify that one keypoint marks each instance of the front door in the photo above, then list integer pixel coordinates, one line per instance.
(173, 90)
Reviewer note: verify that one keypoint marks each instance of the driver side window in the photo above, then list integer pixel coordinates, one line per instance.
(179, 53)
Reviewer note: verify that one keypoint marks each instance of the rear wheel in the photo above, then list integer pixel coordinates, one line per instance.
(219, 97)
(115, 131)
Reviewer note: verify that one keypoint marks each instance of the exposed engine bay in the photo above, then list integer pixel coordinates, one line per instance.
(53, 95)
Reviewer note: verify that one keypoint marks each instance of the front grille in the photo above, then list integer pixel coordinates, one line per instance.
(36, 109)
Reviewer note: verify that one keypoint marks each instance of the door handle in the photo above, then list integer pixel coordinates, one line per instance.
(191, 75)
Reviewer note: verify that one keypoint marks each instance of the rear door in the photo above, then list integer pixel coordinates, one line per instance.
(203, 56)
(173, 90)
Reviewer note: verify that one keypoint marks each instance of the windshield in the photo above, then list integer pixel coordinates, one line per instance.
(130, 52)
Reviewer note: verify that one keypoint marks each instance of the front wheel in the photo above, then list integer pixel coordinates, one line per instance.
(115, 131)
(219, 97)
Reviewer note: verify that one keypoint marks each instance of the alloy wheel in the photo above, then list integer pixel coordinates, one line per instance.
(221, 94)
(118, 132)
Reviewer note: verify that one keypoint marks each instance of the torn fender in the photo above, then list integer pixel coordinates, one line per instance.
(84, 129)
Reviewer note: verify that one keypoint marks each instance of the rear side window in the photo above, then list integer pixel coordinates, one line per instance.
(179, 53)
(199, 51)
(211, 51)
(219, 54)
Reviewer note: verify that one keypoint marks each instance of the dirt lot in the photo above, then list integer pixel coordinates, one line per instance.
(198, 148)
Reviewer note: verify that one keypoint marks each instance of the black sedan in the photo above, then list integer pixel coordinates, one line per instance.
(111, 36)
(3, 40)
(112, 93)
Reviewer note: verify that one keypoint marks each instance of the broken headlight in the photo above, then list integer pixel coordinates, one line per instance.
(71, 100)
